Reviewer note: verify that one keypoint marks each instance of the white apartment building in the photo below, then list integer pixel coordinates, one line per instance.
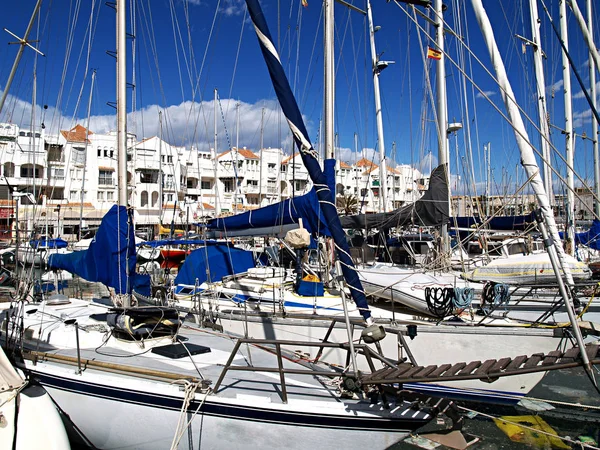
(73, 179)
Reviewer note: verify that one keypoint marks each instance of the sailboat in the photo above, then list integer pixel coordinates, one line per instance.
(141, 378)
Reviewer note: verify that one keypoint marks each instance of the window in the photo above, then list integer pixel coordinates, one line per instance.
(101, 196)
(169, 197)
(30, 171)
(205, 185)
(105, 177)
(78, 156)
(144, 198)
(271, 187)
(112, 153)
(110, 196)
(170, 159)
(57, 173)
(73, 195)
(149, 176)
(284, 168)
(105, 152)
(169, 182)
(253, 183)
(228, 185)
(99, 152)
(9, 169)
(154, 198)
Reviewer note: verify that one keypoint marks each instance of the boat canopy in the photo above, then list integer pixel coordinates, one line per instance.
(164, 242)
(591, 237)
(212, 263)
(432, 209)
(516, 223)
(110, 257)
(48, 243)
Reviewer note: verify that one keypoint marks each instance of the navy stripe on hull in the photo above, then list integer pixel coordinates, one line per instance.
(230, 411)
(494, 397)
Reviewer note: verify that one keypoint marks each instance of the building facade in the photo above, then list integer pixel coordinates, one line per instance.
(72, 179)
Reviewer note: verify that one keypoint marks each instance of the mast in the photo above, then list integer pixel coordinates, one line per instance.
(215, 164)
(237, 151)
(569, 136)
(529, 163)
(541, 98)
(377, 67)
(441, 107)
(22, 43)
(260, 161)
(87, 137)
(160, 169)
(329, 84)
(590, 29)
(121, 103)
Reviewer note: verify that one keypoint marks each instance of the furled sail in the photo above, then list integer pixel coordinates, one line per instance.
(432, 209)
(110, 258)
(290, 211)
(309, 155)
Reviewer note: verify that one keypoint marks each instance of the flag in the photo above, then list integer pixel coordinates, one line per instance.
(305, 3)
(433, 53)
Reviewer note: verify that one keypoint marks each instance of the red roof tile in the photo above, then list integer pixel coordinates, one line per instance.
(76, 134)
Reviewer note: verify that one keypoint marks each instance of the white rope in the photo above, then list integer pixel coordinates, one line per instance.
(182, 425)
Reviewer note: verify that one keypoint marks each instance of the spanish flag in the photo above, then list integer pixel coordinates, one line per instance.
(433, 53)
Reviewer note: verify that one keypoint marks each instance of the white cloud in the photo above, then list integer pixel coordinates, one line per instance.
(485, 94)
(580, 94)
(233, 7)
(188, 123)
(427, 164)
(582, 117)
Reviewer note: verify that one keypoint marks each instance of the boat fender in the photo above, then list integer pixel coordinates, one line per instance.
(373, 333)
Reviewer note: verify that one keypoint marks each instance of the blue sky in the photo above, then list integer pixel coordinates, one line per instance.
(185, 49)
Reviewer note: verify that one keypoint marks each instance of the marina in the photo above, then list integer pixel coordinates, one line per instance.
(228, 273)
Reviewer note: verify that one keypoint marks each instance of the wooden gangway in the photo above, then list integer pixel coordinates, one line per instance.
(489, 370)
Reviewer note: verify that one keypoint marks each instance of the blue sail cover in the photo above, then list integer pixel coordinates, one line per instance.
(307, 152)
(305, 207)
(48, 243)
(590, 238)
(218, 260)
(110, 257)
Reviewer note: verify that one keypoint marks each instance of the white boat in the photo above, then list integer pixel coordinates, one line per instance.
(148, 392)
(29, 419)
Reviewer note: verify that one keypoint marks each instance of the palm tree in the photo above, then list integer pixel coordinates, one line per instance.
(347, 205)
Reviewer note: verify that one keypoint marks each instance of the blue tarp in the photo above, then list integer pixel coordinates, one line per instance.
(221, 260)
(110, 257)
(305, 207)
(48, 243)
(174, 242)
(590, 238)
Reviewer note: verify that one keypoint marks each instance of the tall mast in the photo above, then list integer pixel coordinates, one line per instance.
(529, 163)
(377, 67)
(22, 43)
(590, 27)
(160, 168)
(121, 103)
(442, 110)
(328, 59)
(569, 136)
(87, 137)
(541, 97)
(260, 161)
(215, 163)
(237, 152)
